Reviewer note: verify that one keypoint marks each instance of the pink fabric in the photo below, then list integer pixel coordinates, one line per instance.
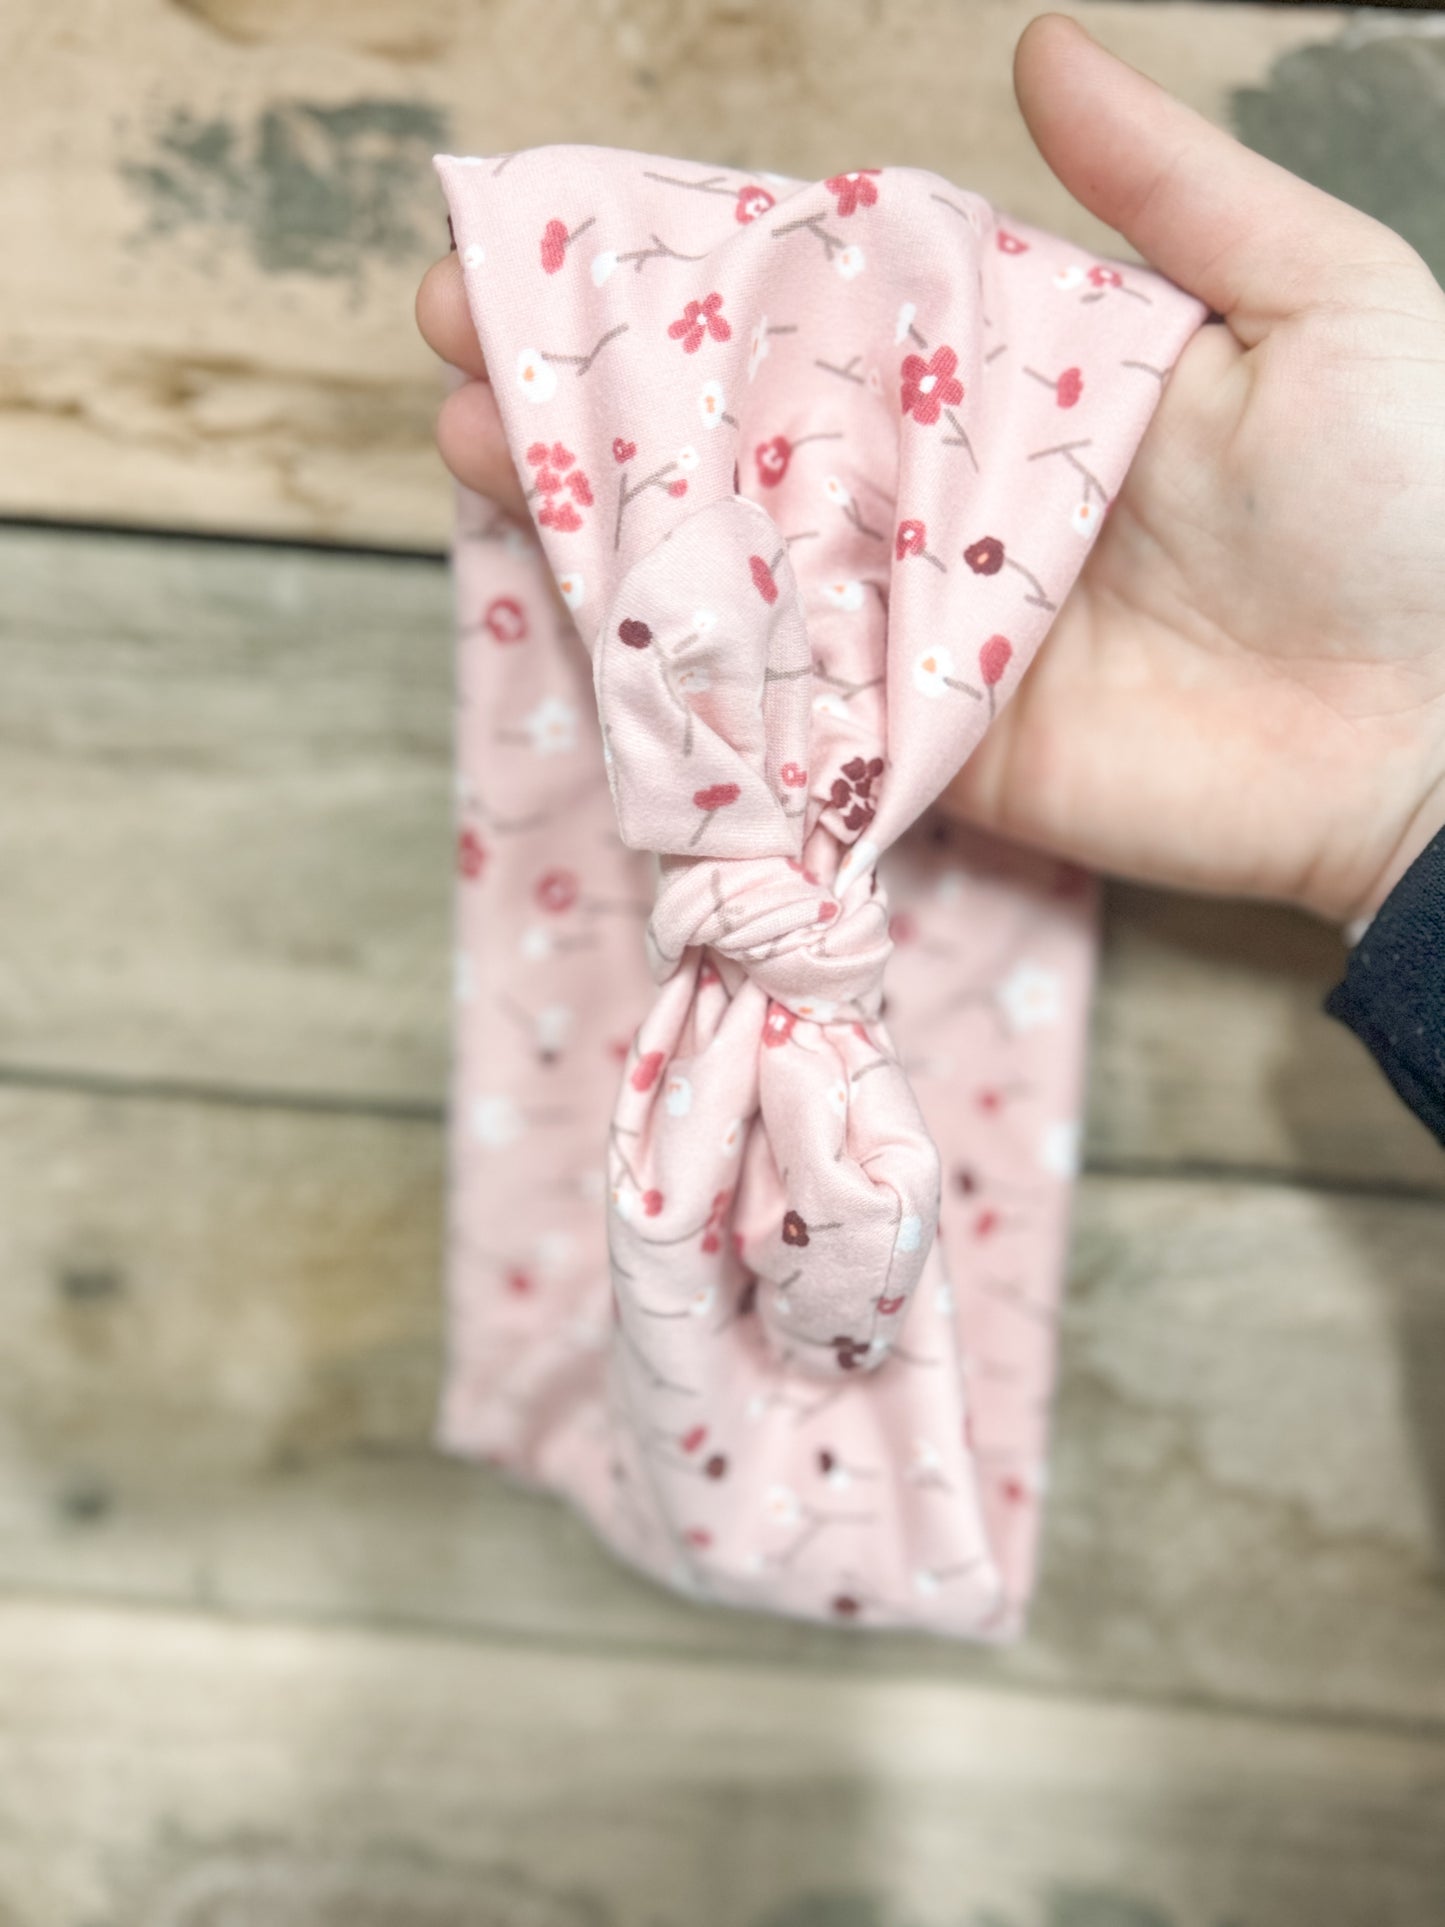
(813, 467)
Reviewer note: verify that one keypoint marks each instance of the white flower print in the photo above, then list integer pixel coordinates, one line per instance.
(923, 1458)
(858, 862)
(551, 726)
(711, 403)
(1031, 997)
(602, 266)
(1059, 1149)
(692, 680)
(732, 1138)
(844, 594)
(943, 1300)
(536, 943)
(758, 346)
(838, 1099)
(554, 1026)
(838, 1476)
(1085, 518)
(906, 316)
(849, 262)
(782, 1505)
(836, 491)
(817, 1010)
(704, 621)
(1070, 277)
(572, 589)
(925, 1583)
(624, 1203)
(702, 1301)
(910, 1232)
(829, 704)
(687, 458)
(677, 1095)
(932, 671)
(473, 254)
(496, 1122)
(536, 378)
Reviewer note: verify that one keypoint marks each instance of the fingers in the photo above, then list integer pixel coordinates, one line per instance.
(445, 320)
(474, 446)
(1243, 234)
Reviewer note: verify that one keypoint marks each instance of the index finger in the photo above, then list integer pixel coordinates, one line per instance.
(445, 320)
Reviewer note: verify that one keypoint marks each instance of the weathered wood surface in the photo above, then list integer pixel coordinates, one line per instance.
(222, 1350)
(171, 1771)
(232, 871)
(214, 212)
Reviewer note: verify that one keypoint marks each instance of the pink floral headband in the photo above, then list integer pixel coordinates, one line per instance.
(812, 468)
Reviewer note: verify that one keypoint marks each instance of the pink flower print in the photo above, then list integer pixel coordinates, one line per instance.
(698, 1537)
(694, 1439)
(678, 489)
(778, 1025)
(717, 796)
(711, 1239)
(984, 557)
(652, 1203)
(903, 927)
(471, 854)
(645, 1070)
(853, 191)
(1010, 243)
(930, 386)
(1103, 277)
(622, 451)
(557, 477)
(751, 204)
(557, 890)
(698, 320)
(912, 539)
(505, 620)
(763, 579)
(772, 459)
(794, 776)
(556, 240)
(795, 1231)
(520, 1283)
(993, 659)
(560, 516)
(1067, 387)
(635, 634)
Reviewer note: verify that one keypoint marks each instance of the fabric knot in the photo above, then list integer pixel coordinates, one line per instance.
(818, 950)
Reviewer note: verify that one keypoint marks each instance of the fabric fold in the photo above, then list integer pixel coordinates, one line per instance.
(812, 468)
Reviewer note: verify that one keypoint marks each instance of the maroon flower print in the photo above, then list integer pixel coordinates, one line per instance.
(764, 580)
(984, 557)
(635, 634)
(930, 386)
(717, 796)
(471, 854)
(772, 459)
(698, 320)
(993, 659)
(1010, 243)
(795, 1231)
(778, 1025)
(853, 191)
(852, 791)
(845, 1606)
(849, 1352)
(752, 202)
(505, 620)
(717, 1466)
(557, 890)
(912, 539)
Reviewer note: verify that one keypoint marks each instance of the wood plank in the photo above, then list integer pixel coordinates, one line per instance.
(223, 1347)
(250, 184)
(232, 869)
(180, 1772)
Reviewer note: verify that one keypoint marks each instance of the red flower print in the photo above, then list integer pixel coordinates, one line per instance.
(471, 854)
(557, 891)
(778, 1025)
(694, 1439)
(751, 203)
(519, 1283)
(912, 539)
(580, 487)
(560, 516)
(645, 1070)
(698, 1537)
(554, 246)
(772, 459)
(984, 557)
(505, 619)
(1069, 387)
(678, 489)
(1010, 243)
(557, 477)
(1103, 277)
(635, 634)
(795, 1232)
(794, 776)
(652, 1202)
(930, 386)
(854, 190)
(717, 796)
(763, 579)
(888, 1307)
(994, 658)
(622, 451)
(699, 319)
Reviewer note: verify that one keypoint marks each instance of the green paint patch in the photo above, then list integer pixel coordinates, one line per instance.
(1361, 117)
(309, 188)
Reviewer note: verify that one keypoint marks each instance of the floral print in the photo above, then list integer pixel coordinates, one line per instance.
(706, 1278)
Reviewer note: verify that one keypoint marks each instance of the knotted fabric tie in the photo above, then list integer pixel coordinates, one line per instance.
(813, 468)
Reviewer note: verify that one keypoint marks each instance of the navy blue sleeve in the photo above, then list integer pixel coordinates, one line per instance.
(1392, 995)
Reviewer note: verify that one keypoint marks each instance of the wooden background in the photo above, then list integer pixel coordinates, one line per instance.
(264, 1655)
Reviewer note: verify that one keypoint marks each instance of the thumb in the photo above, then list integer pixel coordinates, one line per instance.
(1245, 235)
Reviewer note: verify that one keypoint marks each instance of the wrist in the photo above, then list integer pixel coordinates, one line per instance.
(1424, 825)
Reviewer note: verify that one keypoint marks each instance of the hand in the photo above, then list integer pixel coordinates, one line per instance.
(1245, 692)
